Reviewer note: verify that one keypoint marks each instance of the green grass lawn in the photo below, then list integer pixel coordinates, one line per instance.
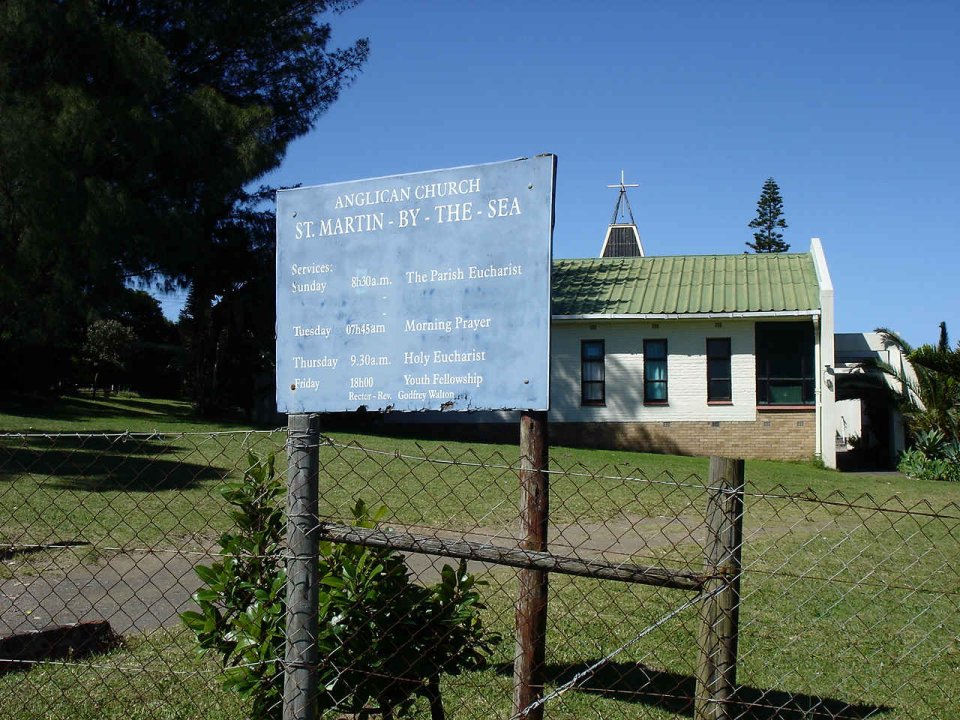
(102, 488)
(853, 601)
(92, 483)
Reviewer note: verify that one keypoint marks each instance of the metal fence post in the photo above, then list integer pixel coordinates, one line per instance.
(720, 612)
(531, 611)
(300, 656)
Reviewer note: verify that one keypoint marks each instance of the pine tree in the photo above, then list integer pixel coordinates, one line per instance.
(769, 220)
(129, 132)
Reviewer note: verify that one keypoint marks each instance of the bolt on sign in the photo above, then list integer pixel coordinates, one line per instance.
(426, 291)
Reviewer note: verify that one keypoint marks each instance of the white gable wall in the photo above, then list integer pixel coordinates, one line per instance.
(686, 371)
(826, 390)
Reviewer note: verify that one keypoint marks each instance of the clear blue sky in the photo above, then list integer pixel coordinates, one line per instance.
(851, 106)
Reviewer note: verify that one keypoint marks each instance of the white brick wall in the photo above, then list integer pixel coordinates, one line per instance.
(686, 371)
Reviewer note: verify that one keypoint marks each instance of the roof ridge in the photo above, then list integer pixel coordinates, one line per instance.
(650, 258)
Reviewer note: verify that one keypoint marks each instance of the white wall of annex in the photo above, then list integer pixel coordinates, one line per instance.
(686, 370)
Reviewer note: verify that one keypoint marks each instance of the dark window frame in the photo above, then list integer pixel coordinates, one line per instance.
(796, 387)
(719, 386)
(590, 398)
(651, 396)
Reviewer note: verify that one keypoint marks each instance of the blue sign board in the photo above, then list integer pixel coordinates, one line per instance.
(427, 291)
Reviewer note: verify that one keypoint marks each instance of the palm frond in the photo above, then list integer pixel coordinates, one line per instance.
(904, 386)
(931, 358)
(892, 339)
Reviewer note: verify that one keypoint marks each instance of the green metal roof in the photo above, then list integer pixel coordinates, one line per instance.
(685, 284)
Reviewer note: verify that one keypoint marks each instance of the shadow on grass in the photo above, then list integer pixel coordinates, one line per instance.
(635, 683)
(104, 471)
(113, 413)
(98, 444)
(74, 408)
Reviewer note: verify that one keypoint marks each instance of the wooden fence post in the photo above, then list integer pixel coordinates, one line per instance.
(720, 613)
(531, 610)
(300, 655)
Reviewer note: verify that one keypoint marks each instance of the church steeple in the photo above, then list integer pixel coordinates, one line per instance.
(623, 237)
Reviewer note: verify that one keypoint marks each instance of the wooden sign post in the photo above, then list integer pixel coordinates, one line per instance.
(531, 611)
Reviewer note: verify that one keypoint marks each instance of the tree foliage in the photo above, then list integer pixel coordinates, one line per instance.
(382, 638)
(769, 221)
(128, 132)
(929, 396)
(106, 350)
(945, 362)
(934, 417)
(154, 363)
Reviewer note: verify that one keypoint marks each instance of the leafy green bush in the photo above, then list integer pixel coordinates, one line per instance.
(916, 464)
(930, 442)
(951, 452)
(385, 639)
(382, 638)
(242, 609)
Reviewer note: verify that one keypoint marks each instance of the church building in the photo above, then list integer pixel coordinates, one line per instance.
(693, 354)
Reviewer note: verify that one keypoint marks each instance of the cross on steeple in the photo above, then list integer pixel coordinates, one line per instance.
(623, 237)
(622, 201)
(623, 185)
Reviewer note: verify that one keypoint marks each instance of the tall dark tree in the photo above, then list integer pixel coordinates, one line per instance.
(128, 132)
(769, 221)
(227, 323)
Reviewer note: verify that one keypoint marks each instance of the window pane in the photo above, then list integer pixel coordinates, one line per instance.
(592, 376)
(655, 349)
(656, 392)
(592, 371)
(719, 390)
(592, 350)
(593, 392)
(655, 371)
(718, 347)
(786, 394)
(718, 369)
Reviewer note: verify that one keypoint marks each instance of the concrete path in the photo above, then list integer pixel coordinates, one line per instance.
(142, 591)
(134, 592)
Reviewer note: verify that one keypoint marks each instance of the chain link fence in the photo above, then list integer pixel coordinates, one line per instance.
(849, 607)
